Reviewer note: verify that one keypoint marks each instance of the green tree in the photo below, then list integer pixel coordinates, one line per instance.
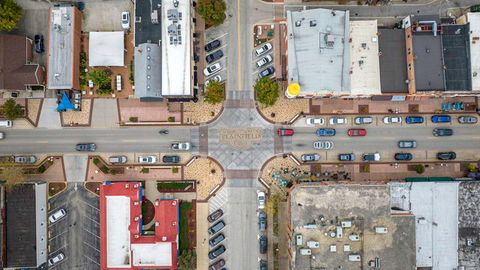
(471, 167)
(267, 91)
(187, 260)
(215, 92)
(11, 174)
(10, 14)
(420, 168)
(102, 80)
(212, 11)
(11, 110)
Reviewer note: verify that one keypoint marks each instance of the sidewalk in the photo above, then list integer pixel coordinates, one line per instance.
(202, 236)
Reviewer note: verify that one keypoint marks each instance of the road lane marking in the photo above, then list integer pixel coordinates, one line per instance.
(239, 60)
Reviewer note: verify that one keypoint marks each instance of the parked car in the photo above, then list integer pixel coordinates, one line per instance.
(442, 118)
(2, 135)
(442, 132)
(346, 157)
(216, 240)
(326, 132)
(265, 60)
(216, 252)
(403, 156)
(354, 132)
(125, 20)
(312, 121)
(216, 78)
(310, 157)
(30, 159)
(212, 69)
(262, 221)
(215, 215)
(285, 132)
(215, 228)
(263, 49)
(414, 119)
(263, 265)
(117, 159)
(217, 265)
(212, 45)
(263, 242)
(214, 56)
(465, 119)
(363, 120)
(59, 214)
(323, 145)
(180, 146)
(56, 259)
(147, 159)
(266, 72)
(407, 144)
(6, 123)
(335, 120)
(261, 199)
(86, 147)
(38, 43)
(371, 157)
(392, 119)
(446, 155)
(170, 159)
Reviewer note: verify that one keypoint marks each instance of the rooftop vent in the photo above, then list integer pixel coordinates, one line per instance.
(298, 23)
(313, 23)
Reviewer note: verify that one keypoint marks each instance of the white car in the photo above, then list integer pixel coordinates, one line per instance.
(57, 215)
(392, 120)
(212, 69)
(338, 120)
(216, 78)
(265, 60)
(180, 146)
(2, 135)
(261, 199)
(314, 121)
(125, 20)
(55, 260)
(147, 159)
(323, 145)
(263, 49)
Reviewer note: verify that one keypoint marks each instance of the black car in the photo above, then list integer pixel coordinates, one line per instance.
(171, 159)
(346, 157)
(446, 155)
(216, 240)
(212, 45)
(214, 56)
(266, 72)
(262, 221)
(215, 215)
(442, 132)
(86, 147)
(216, 252)
(263, 265)
(216, 227)
(217, 265)
(403, 156)
(263, 244)
(39, 44)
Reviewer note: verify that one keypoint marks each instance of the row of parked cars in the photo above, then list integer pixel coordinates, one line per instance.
(365, 120)
(376, 156)
(213, 54)
(216, 238)
(53, 218)
(263, 50)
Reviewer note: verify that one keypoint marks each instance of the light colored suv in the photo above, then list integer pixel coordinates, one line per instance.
(212, 69)
(56, 260)
(147, 159)
(263, 49)
(117, 159)
(125, 20)
(57, 215)
(6, 123)
(265, 60)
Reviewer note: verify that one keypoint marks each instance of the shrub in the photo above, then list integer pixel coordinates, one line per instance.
(419, 168)
(171, 119)
(175, 170)
(213, 11)
(133, 119)
(96, 161)
(267, 91)
(145, 170)
(113, 171)
(471, 167)
(10, 15)
(104, 169)
(11, 110)
(102, 80)
(41, 169)
(215, 92)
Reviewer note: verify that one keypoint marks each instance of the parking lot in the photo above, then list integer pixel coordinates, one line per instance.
(77, 234)
(217, 34)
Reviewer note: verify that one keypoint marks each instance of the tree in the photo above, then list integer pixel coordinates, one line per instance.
(11, 110)
(419, 168)
(267, 91)
(212, 11)
(11, 174)
(471, 167)
(102, 80)
(10, 14)
(187, 260)
(215, 92)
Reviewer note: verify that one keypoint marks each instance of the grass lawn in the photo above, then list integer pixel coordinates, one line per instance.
(184, 207)
(173, 185)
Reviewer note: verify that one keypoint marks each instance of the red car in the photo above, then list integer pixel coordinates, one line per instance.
(357, 132)
(285, 132)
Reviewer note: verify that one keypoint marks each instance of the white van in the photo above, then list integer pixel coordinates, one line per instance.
(119, 82)
(354, 257)
(6, 123)
(305, 251)
(313, 244)
(299, 239)
(380, 230)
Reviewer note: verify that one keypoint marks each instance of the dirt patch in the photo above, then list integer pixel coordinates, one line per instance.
(284, 109)
(200, 112)
(93, 187)
(176, 186)
(55, 188)
(192, 226)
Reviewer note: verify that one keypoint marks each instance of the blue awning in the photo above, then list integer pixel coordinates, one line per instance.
(65, 104)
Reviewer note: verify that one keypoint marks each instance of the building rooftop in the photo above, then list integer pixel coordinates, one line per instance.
(469, 224)
(148, 21)
(63, 46)
(427, 49)
(318, 54)
(176, 48)
(393, 65)
(148, 72)
(455, 39)
(365, 65)
(474, 41)
(106, 49)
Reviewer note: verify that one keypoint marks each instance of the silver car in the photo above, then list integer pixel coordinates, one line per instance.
(310, 157)
(323, 145)
(407, 144)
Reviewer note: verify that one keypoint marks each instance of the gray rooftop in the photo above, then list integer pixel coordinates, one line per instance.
(60, 48)
(393, 65)
(146, 29)
(456, 56)
(148, 72)
(318, 51)
(428, 62)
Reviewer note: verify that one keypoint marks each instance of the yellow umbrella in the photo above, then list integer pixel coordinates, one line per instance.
(293, 89)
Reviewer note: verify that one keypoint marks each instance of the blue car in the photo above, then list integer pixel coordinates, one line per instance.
(414, 119)
(441, 118)
(326, 132)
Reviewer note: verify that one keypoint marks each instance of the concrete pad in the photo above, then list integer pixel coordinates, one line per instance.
(106, 15)
(49, 117)
(105, 113)
(202, 236)
(75, 167)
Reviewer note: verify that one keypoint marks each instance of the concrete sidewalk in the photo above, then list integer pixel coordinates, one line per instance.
(49, 117)
(105, 113)
(75, 167)
(202, 236)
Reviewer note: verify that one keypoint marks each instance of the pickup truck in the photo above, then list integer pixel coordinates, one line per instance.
(180, 146)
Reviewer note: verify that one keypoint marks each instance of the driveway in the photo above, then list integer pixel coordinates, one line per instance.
(105, 15)
(49, 117)
(105, 113)
(77, 235)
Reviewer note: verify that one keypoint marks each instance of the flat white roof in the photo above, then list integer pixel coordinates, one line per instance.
(176, 49)
(158, 254)
(106, 49)
(118, 235)
(474, 20)
(365, 62)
